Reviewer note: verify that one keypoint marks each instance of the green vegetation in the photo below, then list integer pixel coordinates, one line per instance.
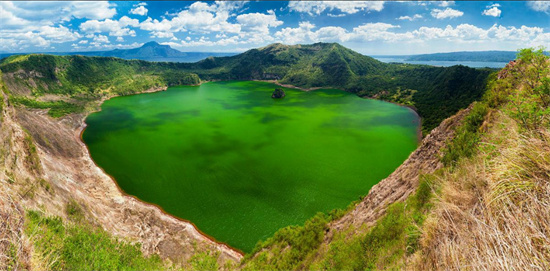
(290, 246)
(523, 90)
(384, 245)
(531, 103)
(57, 108)
(79, 80)
(205, 261)
(436, 92)
(395, 234)
(82, 247)
(467, 135)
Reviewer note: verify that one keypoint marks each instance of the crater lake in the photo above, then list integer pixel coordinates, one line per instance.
(241, 165)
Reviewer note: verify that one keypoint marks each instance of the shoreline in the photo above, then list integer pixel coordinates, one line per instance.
(82, 127)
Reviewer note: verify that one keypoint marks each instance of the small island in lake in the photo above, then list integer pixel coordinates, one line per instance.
(278, 94)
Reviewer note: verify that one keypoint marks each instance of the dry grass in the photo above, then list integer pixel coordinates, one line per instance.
(14, 247)
(493, 212)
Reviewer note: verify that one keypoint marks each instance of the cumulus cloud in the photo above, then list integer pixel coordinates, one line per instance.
(42, 36)
(48, 13)
(411, 18)
(446, 13)
(39, 24)
(492, 10)
(199, 17)
(363, 33)
(140, 9)
(258, 22)
(543, 6)
(445, 3)
(117, 28)
(105, 46)
(383, 32)
(349, 7)
(302, 33)
(214, 18)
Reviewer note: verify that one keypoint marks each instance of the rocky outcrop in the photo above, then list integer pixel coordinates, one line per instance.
(278, 94)
(403, 181)
(505, 72)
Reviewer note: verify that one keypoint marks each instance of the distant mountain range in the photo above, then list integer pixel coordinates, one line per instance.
(481, 56)
(151, 51)
(466, 56)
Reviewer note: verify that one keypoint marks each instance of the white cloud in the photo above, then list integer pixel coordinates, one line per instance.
(49, 13)
(100, 39)
(349, 7)
(446, 13)
(363, 33)
(460, 33)
(378, 32)
(410, 18)
(445, 3)
(542, 6)
(492, 10)
(388, 33)
(40, 36)
(113, 27)
(199, 17)
(120, 39)
(139, 10)
(214, 18)
(39, 23)
(303, 33)
(105, 46)
(258, 22)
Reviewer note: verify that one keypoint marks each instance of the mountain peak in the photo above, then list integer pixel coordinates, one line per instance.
(152, 44)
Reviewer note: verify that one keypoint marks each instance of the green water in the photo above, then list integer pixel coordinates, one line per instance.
(241, 165)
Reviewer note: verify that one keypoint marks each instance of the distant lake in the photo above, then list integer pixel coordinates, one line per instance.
(241, 165)
(473, 64)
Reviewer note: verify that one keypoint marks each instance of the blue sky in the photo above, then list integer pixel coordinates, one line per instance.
(374, 27)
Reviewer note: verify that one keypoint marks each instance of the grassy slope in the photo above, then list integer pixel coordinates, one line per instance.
(488, 208)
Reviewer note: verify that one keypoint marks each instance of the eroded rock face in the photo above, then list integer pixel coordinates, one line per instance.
(278, 94)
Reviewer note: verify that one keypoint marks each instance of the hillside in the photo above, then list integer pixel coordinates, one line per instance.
(435, 92)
